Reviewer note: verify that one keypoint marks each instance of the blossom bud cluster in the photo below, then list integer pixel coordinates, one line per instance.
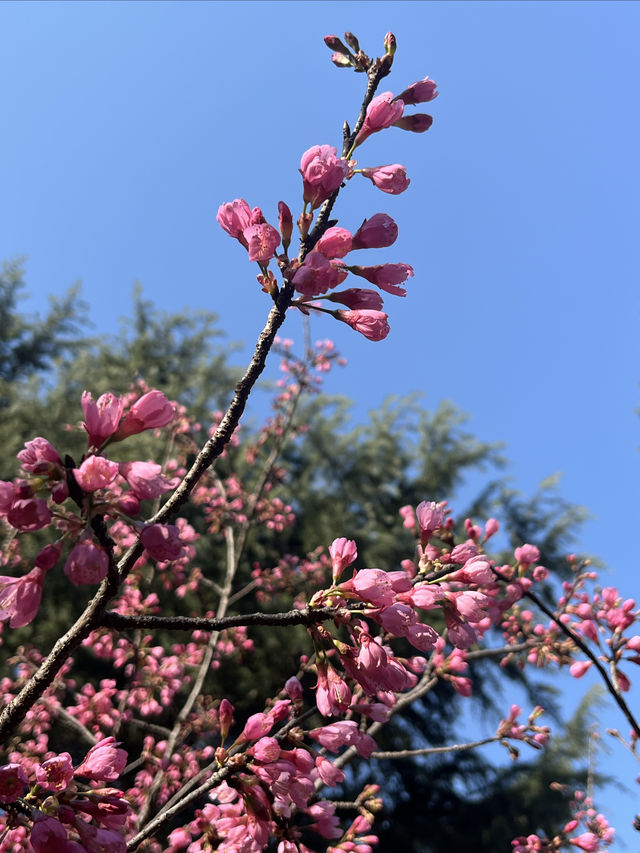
(67, 496)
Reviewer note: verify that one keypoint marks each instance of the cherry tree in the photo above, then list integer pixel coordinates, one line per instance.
(377, 639)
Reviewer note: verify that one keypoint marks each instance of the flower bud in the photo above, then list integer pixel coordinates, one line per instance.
(285, 224)
(352, 41)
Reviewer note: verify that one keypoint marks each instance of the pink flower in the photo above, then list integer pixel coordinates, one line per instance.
(579, 667)
(29, 514)
(372, 324)
(383, 111)
(527, 554)
(378, 232)
(13, 781)
(49, 836)
(344, 733)
(343, 553)
(430, 518)
(386, 276)
(100, 840)
(333, 696)
(145, 479)
(420, 92)
(225, 717)
(334, 243)
(47, 557)
(262, 240)
(267, 749)
(322, 173)
(95, 472)
(20, 597)
(56, 773)
(357, 298)
(390, 179)
(87, 563)
(587, 841)
(234, 216)
(328, 772)
(101, 418)
(38, 456)
(417, 123)
(373, 586)
(162, 542)
(491, 528)
(151, 411)
(317, 275)
(104, 762)
(257, 726)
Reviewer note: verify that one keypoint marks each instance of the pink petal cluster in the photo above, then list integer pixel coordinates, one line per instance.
(373, 325)
(151, 411)
(104, 762)
(87, 563)
(383, 111)
(390, 179)
(322, 173)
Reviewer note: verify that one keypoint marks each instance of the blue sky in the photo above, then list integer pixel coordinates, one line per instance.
(127, 124)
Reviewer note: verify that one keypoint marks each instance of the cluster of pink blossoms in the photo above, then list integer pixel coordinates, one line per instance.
(60, 812)
(53, 492)
(320, 267)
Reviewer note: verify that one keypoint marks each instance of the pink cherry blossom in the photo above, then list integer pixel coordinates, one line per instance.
(49, 836)
(334, 243)
(13, 781)
(87, 563)
(417, 123)
(431, 517)
(343, 553)
(262, 240)
(102, 417)
(344, 733)
(234, 216)
(104, 762)
(162, 542)
(20, 597)
(372, 324)
(377, 232)
(56, 773)
(151, 411)
(29, 514)
(322, 173)
(317, 275)
(145, 478)
(419, 92)
(357, 298)
(390, 179)
(39, 456)
(383, 111)
(385, 276)
(48, 556)
(95, 472)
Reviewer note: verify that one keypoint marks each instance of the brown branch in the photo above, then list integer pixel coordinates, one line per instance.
(306, 616)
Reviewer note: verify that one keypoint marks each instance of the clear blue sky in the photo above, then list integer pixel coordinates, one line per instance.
(127, 124)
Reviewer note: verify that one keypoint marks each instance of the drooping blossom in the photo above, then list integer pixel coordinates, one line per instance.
(377, 232)
(383, 111)
(87, 563)
(431, 517)
(145, 478)
(333, 695)
(151, 411)
(344, 733)
(39, 456)
(419, 92)
(104, 762)
(162, 542)
(20, 597)
(101, 418)
(322, 173)
(358, 298)
(385, 276)
(417, 123)
(96, 472)
(373, 325)
(390, 179)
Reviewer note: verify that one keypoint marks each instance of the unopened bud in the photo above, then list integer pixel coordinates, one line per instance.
(352, 41)
(390, 44)
(341, 60)
(304, 223)
(417, 123)
(285, 224)
(225, 716)
(334, 43)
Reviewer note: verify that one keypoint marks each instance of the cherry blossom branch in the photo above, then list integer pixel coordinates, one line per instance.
(437, 750)
(306, 616)
(92, 617)
(579, 642)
